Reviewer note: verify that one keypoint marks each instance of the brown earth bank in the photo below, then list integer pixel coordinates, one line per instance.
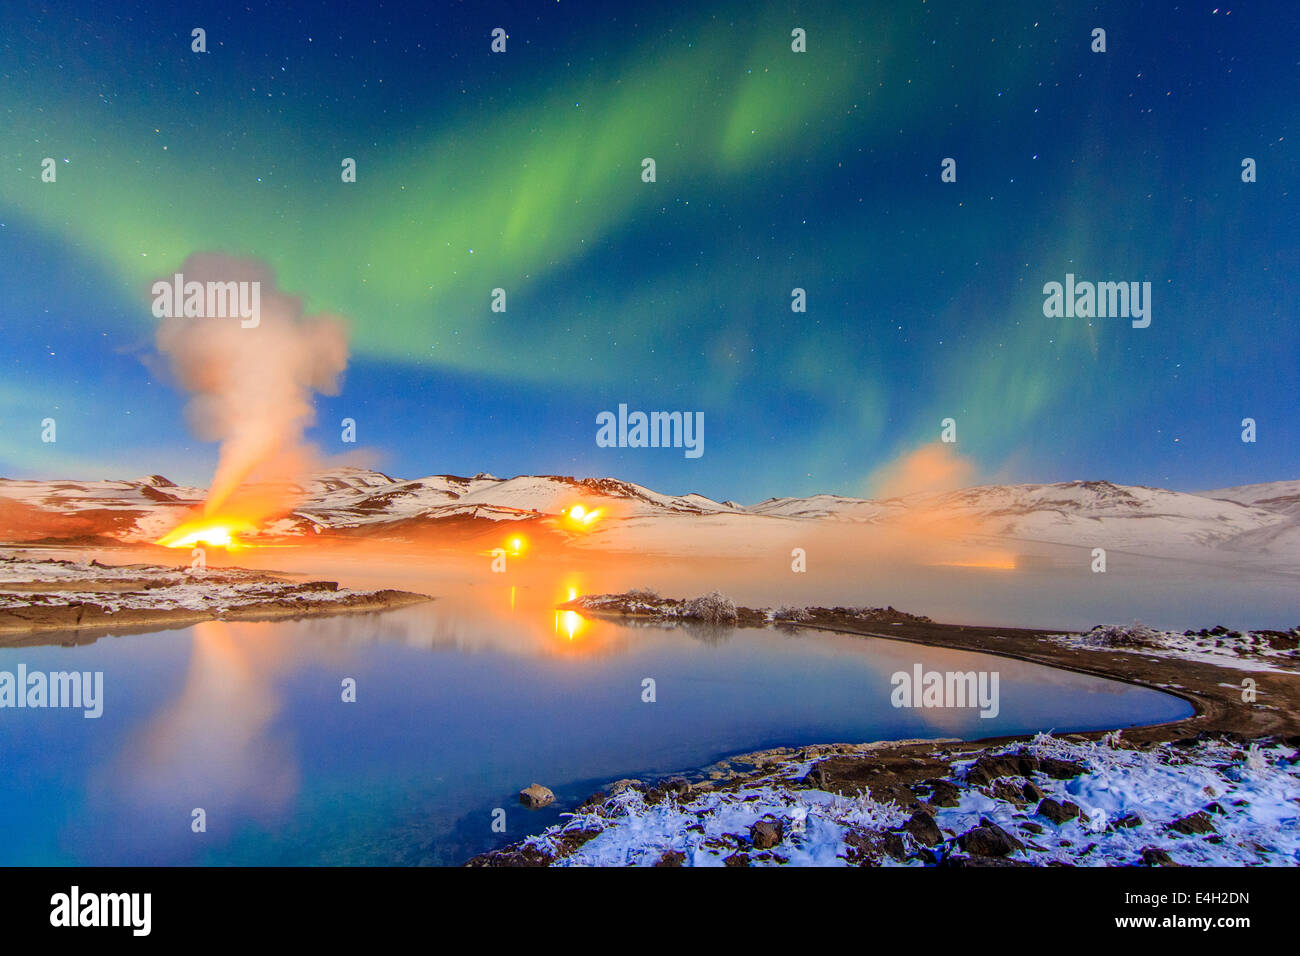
(921, 776)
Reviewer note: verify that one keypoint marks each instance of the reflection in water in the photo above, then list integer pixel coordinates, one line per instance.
(213, 744)
(460, 703)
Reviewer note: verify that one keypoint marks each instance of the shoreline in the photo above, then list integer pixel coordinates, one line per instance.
(921, 778)
(79, 601)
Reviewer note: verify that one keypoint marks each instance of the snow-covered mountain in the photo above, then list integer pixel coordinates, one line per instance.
(1257, 521)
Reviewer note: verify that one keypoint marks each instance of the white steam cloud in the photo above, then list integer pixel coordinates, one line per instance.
(251, 388)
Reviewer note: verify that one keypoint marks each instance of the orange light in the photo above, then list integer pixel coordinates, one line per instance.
(518, 544)
(569, 622)
(580, 516)
(214, 533)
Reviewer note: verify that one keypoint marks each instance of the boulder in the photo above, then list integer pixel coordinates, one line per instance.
(989, 768)
(1060, 769)
(766, 833)
(1008, 791)
(923, 829)
(943, 793)
(1154, 856)
(536, 796)
(1193, 823)
(1058, 813)
(989, 839)
(1032, 792)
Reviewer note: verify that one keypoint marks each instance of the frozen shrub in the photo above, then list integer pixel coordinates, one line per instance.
(1255, 758)
(1136, 634)
(714, 607)
(643, 594)
(787, 613)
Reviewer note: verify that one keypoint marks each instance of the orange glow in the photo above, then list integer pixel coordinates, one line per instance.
(580, 516)
(212, 532)
(518, 544)
(569, 623)
(995, 562)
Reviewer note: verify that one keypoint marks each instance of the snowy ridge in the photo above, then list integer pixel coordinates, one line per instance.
(1258, 522)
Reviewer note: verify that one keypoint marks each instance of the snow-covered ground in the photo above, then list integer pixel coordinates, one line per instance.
(19, 569)
(1210, 803)
(39, 590)
(1248, 651)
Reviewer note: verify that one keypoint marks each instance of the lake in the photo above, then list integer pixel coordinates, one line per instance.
(460, 703)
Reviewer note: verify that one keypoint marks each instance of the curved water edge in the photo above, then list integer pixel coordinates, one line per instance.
(456, 709)
(1103, 673)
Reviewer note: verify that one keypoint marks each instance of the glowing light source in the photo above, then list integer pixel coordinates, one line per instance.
(569, 622)
(213, 533)
(580, 516)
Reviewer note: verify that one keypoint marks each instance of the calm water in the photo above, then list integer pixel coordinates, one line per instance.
(457, 709)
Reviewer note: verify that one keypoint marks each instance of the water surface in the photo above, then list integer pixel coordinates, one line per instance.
(457, 709)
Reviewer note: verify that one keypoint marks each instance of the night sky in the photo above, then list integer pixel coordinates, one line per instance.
(775, 170)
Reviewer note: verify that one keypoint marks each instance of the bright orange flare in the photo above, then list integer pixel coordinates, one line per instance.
(212, 532)
(569, 623)
(580, 516)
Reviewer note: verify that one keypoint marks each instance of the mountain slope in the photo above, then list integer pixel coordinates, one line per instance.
(1261, 522)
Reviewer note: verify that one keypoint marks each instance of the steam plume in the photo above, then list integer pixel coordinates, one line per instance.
(251, 388)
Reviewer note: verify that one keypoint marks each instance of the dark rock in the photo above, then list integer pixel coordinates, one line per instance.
(1058, 813)
(766, 833)
(1193, 823)
(672, 858)
(1030, 827)
(1154, 856)
(737, 859)
(1032, 792)
(1008, 791)
(989, 840)
(1060, 769)
(1127, 822)
(923, 829)
(988, 768)
(943, 793)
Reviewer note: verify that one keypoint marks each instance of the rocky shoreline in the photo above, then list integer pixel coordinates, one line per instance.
(1216, 787)
(40, 597)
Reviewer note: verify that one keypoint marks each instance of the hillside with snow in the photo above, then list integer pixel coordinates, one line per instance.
(1258, 525)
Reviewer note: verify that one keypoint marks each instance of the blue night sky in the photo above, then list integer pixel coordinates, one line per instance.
(775, 170)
